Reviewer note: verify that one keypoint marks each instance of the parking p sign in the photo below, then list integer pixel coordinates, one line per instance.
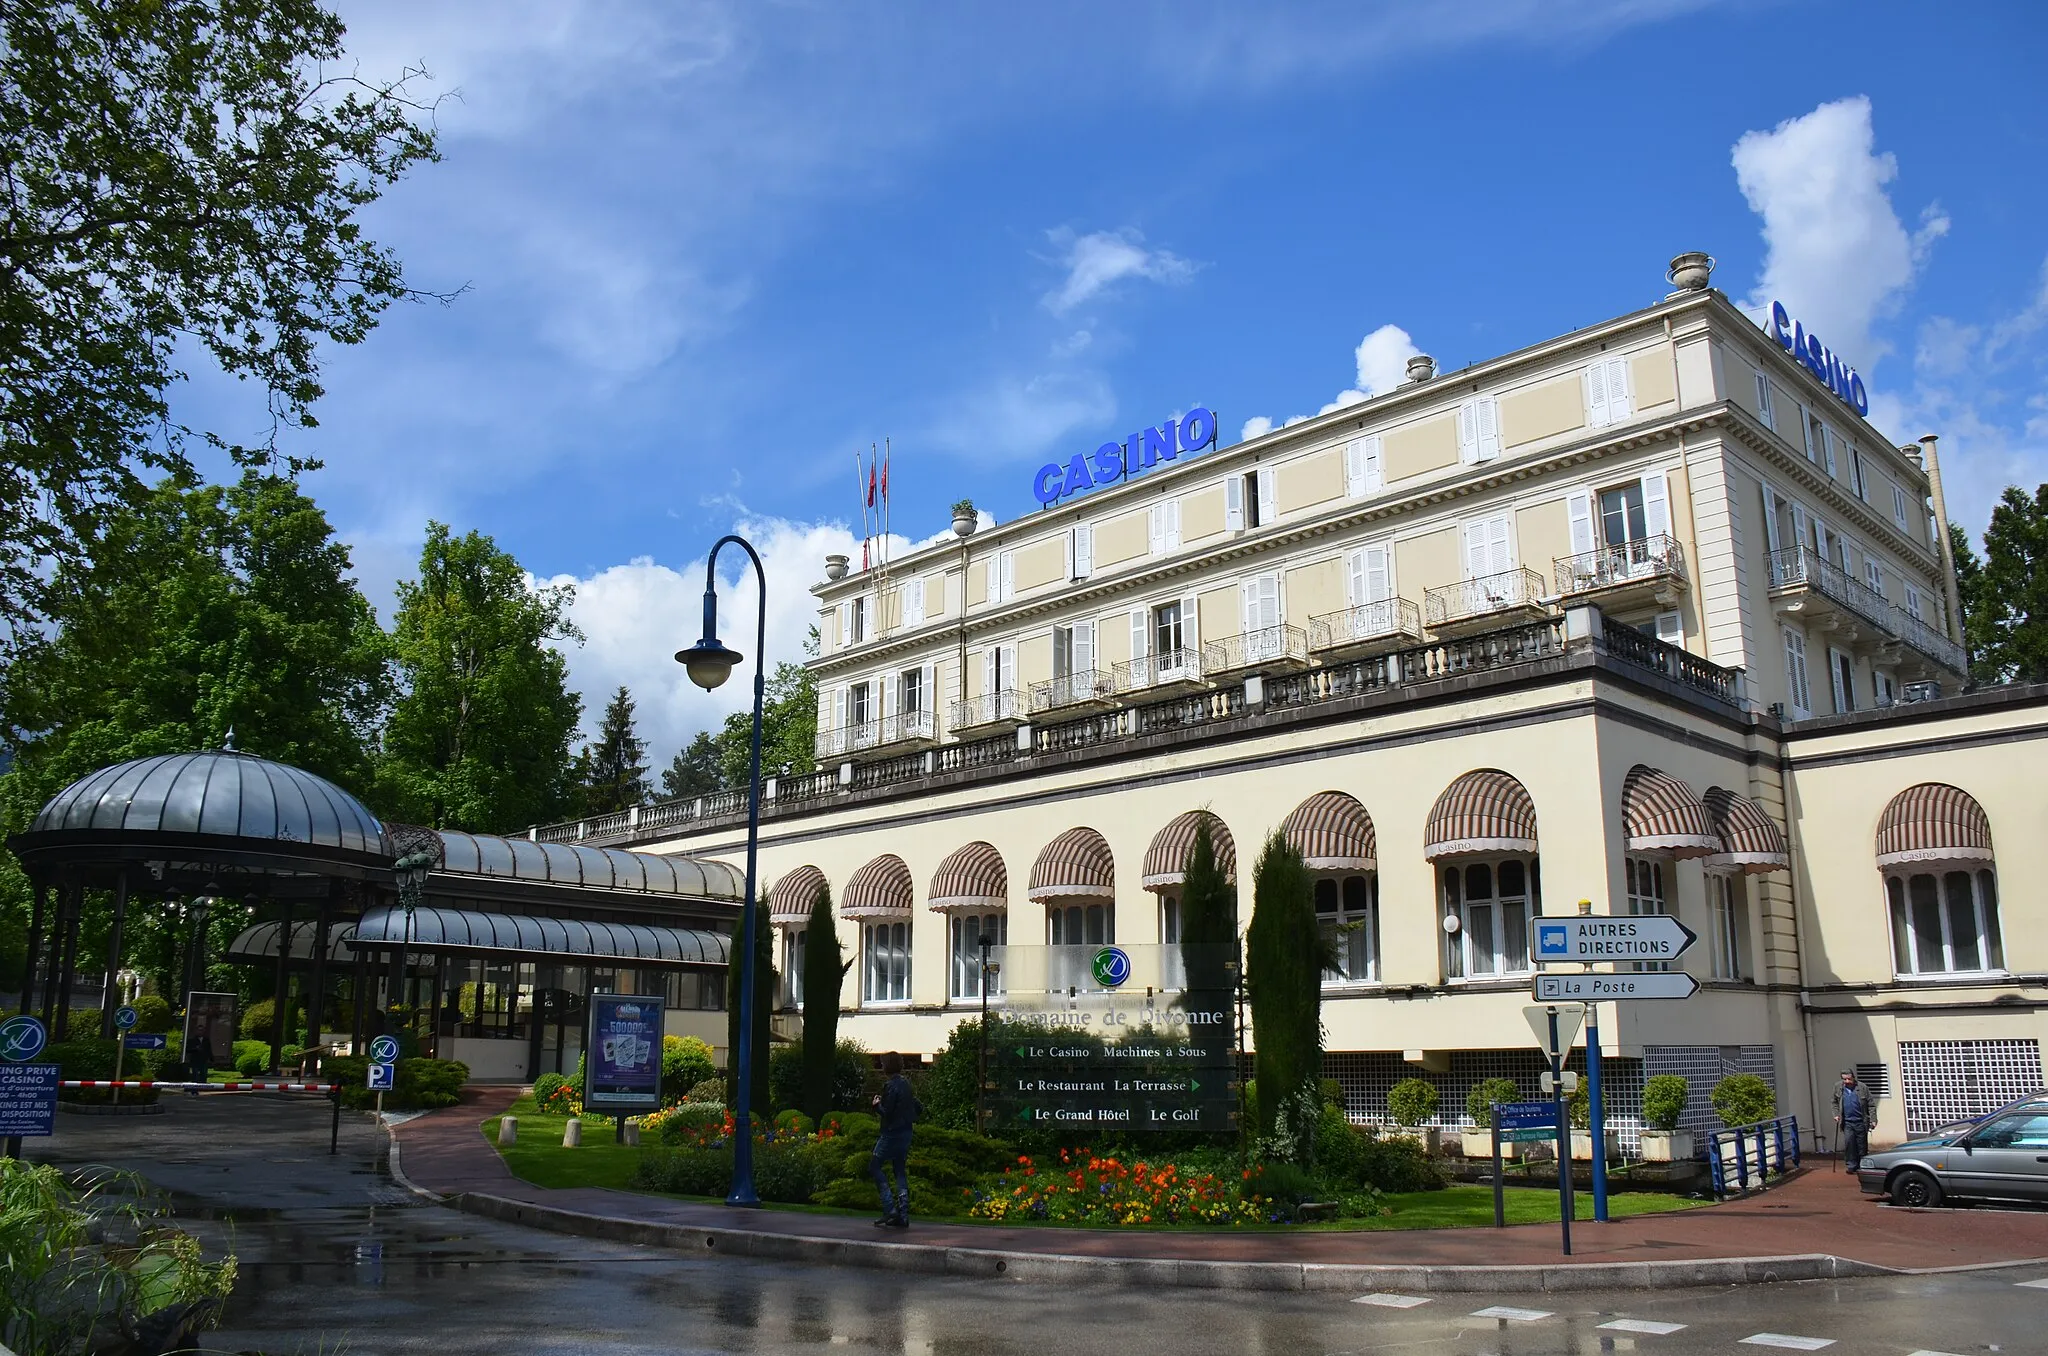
(381, 1078)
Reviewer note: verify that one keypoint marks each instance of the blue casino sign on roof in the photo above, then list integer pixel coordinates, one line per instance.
(1112, 462)
(1818, 359)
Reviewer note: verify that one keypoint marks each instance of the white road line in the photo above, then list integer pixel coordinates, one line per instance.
(1934, 1353)
(1788, 1342)
(2041, 1284)
(1644, 1325)
(1393, 1301)
(1513, 1315)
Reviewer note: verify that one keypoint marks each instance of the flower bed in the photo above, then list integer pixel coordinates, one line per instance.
(1080, 1188)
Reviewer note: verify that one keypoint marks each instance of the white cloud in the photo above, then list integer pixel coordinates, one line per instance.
(1382, 362)
(1836, 253)
(1255, 427)
(1013, 419)
(1102, 258)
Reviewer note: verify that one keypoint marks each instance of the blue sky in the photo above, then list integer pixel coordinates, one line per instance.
(712, 249)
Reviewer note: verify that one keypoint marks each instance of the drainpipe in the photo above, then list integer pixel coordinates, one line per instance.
(1954, 619)
(960, 668)
(1692, 515)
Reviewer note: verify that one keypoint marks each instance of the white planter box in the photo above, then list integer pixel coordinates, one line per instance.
(1582, 1145)
(1428, 1136)
(1479, 1144)
(1667, 1146)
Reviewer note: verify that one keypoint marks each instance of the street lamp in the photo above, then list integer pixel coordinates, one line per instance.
(709, 663)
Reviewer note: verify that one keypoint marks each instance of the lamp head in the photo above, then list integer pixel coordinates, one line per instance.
(708, 662)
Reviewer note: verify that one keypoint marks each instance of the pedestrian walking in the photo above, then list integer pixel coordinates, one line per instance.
(898, 1110)
(1853, 1117)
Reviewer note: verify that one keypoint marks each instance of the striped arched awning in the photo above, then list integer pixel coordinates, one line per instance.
(1332, 832)
(1483, 811)
(973, 879)
(1933, 822)
(1660, 814)
(881, 889)
(1166, 861)
(790, 900)
(1075, 865)
(1750, 840)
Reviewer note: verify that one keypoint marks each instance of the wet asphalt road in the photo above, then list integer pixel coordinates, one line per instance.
(336, 1259)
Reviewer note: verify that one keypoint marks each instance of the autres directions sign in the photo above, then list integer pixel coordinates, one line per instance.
(1589, 939)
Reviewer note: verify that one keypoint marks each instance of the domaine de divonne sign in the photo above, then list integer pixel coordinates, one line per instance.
(1114, 461)
(1818, 359)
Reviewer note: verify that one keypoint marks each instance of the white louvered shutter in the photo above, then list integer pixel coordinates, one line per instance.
(1873, 574)
(1155, 525)
(892, 695)
(1487, 412)
(1578, 510)
(1475, 550)
(1141, 635)
(1173, 524)
(846, 624)
(988, 674)
(1233, 504)
(913, 603)
(1770, 518)
(839, 708)
(1084, 550)
(1763, 401)
(1084, 647)
(1006, 667)
(1269, 496)
(1379, 573)
(1486, 547)
(1468, 432)
(1355, 475)
(1829, 441)
(929, 694)
(1806, 434)
(1354, 579)
(1190, 625)
(1596, 394)
(1656, 505)
(1799, 534)
(1619, 405)
(1008, 562)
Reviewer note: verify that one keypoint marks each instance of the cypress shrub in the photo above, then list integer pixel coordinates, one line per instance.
(1208, 918)
(1285, 985)
(824, 973)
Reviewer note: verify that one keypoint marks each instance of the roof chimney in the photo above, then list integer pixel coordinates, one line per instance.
(1911, 452)
(1421, 368)
(1689, 272)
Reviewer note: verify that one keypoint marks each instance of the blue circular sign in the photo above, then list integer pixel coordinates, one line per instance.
(124, 1017)
(1112, 967)
(22, 1038)
(384, 1050)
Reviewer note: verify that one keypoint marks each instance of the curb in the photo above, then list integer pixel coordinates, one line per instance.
(398, 1174)
(1153, 1272)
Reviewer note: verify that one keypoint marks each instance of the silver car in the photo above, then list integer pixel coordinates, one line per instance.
(2003, 1157)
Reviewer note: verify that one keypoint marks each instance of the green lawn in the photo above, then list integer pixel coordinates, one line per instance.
(539, 1158)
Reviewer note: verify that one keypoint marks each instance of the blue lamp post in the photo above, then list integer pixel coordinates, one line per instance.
(709, 663)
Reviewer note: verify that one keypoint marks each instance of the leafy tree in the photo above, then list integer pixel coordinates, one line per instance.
(615, 773)
(181, 179)
(694, 771)
(1284, 984)
(824, 976)
(789, 729)
(764, 1005)
(480, 737)
(2005, 600)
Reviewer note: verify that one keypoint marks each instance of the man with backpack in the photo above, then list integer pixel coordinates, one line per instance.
(898, 1110)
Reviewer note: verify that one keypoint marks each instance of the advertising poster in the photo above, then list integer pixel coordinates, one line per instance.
(622, 1070)
(209, 1028)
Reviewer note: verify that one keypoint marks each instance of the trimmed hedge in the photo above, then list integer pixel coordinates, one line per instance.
(422, 1084)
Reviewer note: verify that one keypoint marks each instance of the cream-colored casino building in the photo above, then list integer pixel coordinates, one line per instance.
(1645, 615)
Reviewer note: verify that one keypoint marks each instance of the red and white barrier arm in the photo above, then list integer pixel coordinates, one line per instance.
(146, 1083)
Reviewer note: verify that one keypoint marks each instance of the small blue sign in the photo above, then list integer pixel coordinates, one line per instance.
(383, 1077)
(384, 1050)
(125, 1018)
(138, 1040)
(22, 1038)
(1528, 1115)
(28, 1099)
(1553, 940)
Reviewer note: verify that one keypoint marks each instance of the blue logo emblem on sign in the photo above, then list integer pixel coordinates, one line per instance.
(124, 1017)
(22, 1039)
(384, 1050)
(1553, 939)
(1112, 967)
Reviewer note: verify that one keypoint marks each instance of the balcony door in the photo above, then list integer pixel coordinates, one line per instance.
(1488, 555)
(1262, 636)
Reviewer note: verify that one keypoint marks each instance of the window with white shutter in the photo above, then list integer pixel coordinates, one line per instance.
(1656, 505)
(1081, 551)
(1233, 504)
(1002, 577)
(1141, 635)
(1486, 547)
(1842, 678)
(1362, 474)
(1261, 595)
(1264, 505)
(1899, 507)
(1797, 693)
(1873, 574)
(1478, 430)
(913, 603)
(1607, 397)
(1155, 529)
(1083, 646)
(1913, 603)
(1173, 525)
(1578, 512)
(1830, 444)
(1856, 479)
(1763, 402)
(988, 673)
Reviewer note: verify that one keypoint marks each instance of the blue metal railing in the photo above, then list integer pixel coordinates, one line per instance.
(1747, 1156)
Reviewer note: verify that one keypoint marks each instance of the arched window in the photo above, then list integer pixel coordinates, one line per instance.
(879, 898)
(972, 888)
(789, 910)
(1482, 834)
(1662, 821)
(1335, 836)
(1940, 882)
(1075, 879)
(1165, 874)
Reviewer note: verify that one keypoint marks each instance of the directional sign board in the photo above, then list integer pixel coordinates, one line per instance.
(137, 1040)
(384, 1050)
(1553, 988)
(1523, 1115)
(125, 1017)
(383, 1077)
(28, 1099)
(1569, 1019)
(1589, 939)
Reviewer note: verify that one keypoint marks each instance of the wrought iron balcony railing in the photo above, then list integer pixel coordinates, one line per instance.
(1647, 559)
(903, 727)
(1074, 689)
(1158, 670)
(1394, 620)
(1268, 645)
(991, 708)
(1474, 598)
(1804, 567)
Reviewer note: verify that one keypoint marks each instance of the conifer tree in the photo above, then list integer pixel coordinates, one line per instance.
(824, 974)
(1284, 983)
(615, 771)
